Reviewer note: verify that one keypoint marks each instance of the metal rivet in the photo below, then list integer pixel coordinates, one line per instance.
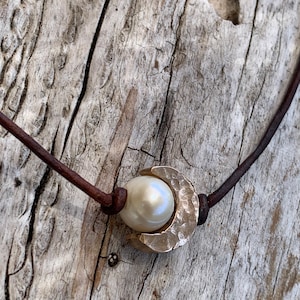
(112, 259)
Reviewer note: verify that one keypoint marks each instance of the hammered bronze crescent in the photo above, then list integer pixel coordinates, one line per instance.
(184, 220)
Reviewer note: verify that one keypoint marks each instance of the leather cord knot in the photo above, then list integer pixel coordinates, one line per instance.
(118, 197)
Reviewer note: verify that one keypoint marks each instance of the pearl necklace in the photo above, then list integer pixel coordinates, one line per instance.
(161, 205)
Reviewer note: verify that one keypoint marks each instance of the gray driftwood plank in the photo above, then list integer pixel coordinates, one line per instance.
(209, 75)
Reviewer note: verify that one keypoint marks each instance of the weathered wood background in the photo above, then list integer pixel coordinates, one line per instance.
(209, 74)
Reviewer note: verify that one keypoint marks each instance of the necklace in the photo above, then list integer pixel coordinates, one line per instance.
(161, 205)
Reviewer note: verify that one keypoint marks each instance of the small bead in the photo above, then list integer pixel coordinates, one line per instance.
(150, 204)
(113, 259)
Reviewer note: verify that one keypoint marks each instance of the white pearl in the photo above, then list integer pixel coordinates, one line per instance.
(149, 205)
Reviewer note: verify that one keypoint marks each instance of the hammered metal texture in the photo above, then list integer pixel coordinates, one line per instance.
(184, 221)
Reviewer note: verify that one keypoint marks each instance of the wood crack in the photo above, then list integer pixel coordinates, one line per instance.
(141, 150)
(37, 33)
(146, 276)
(23, 96)
(248, 49)
(232, 256)
(86, 72)
(13, 83)
(102, 254)
(38, 191)
(7, 275)
(240, 80)
(5, 66)
(256, 100)
(29, 286)
(248, 120)
(185, 159)
(163, 127)
(277, 274)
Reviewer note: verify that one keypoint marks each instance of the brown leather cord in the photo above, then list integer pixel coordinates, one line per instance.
(209, 201)
(111, 203)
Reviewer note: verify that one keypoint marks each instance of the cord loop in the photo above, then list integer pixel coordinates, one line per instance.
(118, 196)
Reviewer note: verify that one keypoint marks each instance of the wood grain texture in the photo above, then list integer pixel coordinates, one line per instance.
(208, 75)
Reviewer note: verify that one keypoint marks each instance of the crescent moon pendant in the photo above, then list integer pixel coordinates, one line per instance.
(184, 220)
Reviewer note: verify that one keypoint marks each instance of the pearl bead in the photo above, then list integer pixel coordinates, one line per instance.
(149, 205)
